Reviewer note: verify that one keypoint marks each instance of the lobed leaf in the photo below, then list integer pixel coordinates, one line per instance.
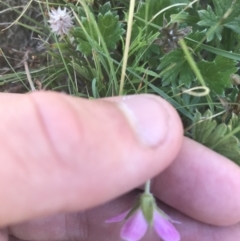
(174, 68)
(109, 26)
(217, 73)
(224, 13)
(218, 137)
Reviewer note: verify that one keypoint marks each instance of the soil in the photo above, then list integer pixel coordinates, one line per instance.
(17, 40)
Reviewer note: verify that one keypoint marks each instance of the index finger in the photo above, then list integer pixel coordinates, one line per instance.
(202, 184)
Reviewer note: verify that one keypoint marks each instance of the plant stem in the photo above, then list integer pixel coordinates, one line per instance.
(25, 63)
(127, 45)
(147, 187)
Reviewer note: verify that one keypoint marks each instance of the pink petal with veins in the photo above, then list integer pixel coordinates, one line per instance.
(135, 227)
(164, 228)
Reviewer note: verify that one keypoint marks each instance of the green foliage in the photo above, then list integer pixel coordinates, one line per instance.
(174, 68)
(209, 19)
(109, 27)
(217, 73)
(219, 137)
(234, 124)
(148, 15)
(225, 14)
(147, 10)
(197, 36)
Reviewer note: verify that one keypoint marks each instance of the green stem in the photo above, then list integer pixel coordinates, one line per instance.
(127, 45)
(147, 187)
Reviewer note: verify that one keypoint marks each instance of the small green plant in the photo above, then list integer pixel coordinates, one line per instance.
(186, 51)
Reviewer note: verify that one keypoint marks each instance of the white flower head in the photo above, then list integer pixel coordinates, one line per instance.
(60, 21)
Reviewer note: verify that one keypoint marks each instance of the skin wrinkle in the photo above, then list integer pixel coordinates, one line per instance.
(52, 174)
(89, 147)
(19, 164)
(77, 226)
(41, 133)
(47, 135)
(22, 171)
(9, 148)
(57, 160)
(23, 129)
(44, 130)
(95, 145)
(68, 166)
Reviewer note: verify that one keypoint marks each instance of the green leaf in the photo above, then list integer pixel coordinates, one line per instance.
(225, 6)
(234, 25)
(185, 17)
(84, 45)
(105, 8)
(110, 29)
(198, 37)
(234, 124)
(148, 9)
(109, 26)
(218, 137)
(217, 73)
(202, 134)
(213, 50)
(225, 13)
(209, 19)
(174, 68)
(95, 89)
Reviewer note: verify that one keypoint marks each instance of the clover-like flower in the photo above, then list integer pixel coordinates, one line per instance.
(146, 213)
(60, 21)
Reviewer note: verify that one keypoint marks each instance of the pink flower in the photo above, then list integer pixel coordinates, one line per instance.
(60, 21)
(139, 218)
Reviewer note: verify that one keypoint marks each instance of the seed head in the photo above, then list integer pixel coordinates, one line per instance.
(60, 21)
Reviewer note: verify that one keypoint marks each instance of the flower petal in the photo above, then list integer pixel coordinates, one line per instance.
(117, 218)
(135, 227)
(164, 228)
(61, 21)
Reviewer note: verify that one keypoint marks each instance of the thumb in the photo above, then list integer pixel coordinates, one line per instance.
(60, 153)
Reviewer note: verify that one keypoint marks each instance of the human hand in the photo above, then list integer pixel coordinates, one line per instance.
(61, 155)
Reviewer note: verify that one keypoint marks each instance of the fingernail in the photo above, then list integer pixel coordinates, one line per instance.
(147, 117)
